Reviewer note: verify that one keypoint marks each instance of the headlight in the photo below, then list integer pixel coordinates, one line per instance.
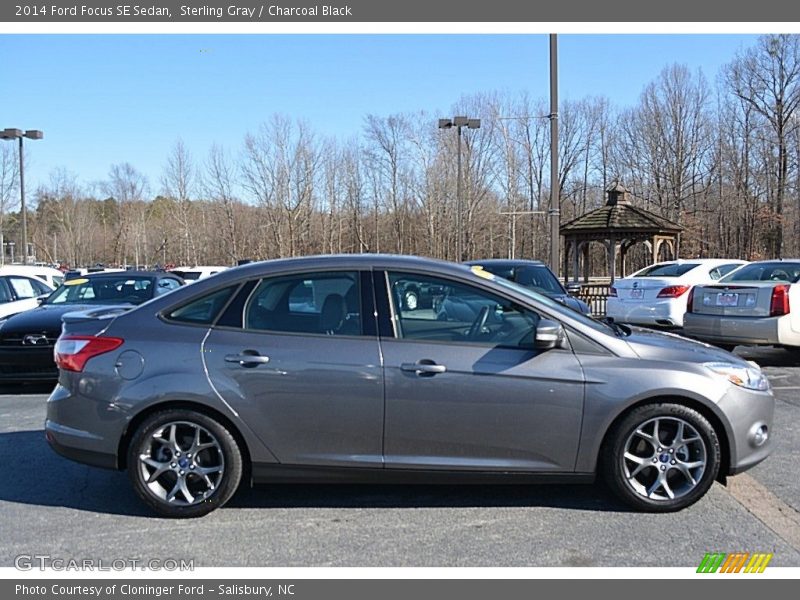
(751, 378)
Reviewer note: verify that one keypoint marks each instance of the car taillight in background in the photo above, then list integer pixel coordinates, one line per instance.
(612, 292)
(72, 352)
(779, 304)
(673, 291)
(690, 300)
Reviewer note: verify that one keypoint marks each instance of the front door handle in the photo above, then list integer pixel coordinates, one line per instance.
(248, 358)
(424, 368)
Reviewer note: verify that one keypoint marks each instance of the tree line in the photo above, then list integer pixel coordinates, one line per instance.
(720, 158)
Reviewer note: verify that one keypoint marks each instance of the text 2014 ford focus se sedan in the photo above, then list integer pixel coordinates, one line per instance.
(312, 369)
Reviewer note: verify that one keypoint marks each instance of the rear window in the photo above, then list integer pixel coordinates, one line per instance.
(203, 310)
(787, 272)
(667, 270)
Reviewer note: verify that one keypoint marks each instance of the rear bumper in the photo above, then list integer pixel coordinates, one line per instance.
(660, 313)
(737, 330)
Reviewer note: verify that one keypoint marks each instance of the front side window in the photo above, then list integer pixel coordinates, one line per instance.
(27, 288)
(310, 303)
(459, 313)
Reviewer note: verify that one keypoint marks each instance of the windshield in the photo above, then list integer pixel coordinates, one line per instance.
(103, 290)
(538, 278)
(787, 272)
(555, 306)
(666, 270)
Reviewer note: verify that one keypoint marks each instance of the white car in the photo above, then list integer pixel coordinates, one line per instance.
(657, 295)
(751, 306)
(52, 277)
(19, 293)
(190, 274)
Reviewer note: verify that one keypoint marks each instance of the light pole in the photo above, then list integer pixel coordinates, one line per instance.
(14, 134)
(458, 123)
(555, 201)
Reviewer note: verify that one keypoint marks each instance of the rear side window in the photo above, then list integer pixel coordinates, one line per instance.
(667, 270)
(203, 310)
(722, 270)
(26, 288)
(310, 303)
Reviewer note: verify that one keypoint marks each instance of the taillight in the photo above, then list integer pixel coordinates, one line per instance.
(612, 292)
(690, 300)
(779, 304)
(673, 291)
(72, 352)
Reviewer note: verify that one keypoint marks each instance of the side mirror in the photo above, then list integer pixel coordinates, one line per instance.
(40, 299)
(574, 288)
(549, 335)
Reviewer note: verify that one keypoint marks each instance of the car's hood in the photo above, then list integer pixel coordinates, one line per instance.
(46, 317)
(571, 302)
(658, 345)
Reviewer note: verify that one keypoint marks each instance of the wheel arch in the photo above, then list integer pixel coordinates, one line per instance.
(138, 419)
(704, 410)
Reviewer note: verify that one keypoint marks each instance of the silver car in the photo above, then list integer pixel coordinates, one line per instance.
(312, 369)
(752, 306)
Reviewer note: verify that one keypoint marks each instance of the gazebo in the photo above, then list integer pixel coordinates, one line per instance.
(618, 225)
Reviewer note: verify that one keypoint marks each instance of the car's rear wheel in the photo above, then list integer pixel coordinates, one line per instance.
(662, 457)
(183, 463)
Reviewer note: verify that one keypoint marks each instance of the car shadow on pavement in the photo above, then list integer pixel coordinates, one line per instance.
(770, 357)
(32, 473)
(21, 389)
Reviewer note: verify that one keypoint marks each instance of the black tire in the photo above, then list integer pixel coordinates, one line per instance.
(218, 453)
(668, 457)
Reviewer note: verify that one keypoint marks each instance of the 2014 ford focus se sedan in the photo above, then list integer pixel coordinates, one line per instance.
(312, 369)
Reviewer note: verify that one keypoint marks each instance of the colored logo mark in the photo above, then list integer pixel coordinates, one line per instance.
(737, 562)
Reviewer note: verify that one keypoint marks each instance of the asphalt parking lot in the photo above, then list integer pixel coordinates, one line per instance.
(49, 505)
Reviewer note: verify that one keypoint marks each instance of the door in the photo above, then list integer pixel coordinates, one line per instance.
(298, 357)
(465, 388)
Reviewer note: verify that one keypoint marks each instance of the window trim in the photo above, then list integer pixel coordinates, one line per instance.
(162, 315)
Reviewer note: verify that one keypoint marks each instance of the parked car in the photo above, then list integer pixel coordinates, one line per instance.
(27, 338)
(535, 275)
(751, 306)
(19, 293)
(52, 277)
(224, 377)
(190, 274)
(656, 295)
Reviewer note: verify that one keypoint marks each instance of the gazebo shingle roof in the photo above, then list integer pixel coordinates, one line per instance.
(620, 217)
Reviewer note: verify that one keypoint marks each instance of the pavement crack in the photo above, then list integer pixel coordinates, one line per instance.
(774, 513)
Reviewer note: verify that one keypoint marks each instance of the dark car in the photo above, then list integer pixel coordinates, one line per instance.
(27, 338)
(534, 275)
(311, 369)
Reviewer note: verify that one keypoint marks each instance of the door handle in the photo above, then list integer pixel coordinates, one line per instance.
(424, 367)
(247, 359)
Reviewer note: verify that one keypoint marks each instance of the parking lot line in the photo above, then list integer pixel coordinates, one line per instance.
(765, 506)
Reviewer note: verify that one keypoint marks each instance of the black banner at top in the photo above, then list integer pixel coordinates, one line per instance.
(359, 11)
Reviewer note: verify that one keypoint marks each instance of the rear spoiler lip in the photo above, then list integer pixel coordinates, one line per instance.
(100, 312)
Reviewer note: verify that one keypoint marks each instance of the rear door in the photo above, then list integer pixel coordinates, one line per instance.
(298, 357)
(465, 390)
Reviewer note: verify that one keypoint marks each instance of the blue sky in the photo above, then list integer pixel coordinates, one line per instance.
(105, 99)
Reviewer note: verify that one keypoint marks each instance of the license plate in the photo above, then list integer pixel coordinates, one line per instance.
(725, 299)
(637, 294)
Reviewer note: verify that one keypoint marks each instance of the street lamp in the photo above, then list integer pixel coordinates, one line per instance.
(458, 123)
(14, 134)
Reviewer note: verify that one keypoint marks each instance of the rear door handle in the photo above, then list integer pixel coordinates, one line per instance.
(247, 359)
(423, 367)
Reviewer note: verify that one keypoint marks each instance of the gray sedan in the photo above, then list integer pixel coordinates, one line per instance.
(312, 369)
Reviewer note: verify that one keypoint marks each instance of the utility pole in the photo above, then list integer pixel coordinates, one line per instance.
(555, 201)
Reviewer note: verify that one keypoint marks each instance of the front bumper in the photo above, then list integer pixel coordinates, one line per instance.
(23, 364)
(83, 429)
(746, 411)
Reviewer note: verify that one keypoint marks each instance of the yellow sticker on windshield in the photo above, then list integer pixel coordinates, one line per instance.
(481, 272)
(76, 281)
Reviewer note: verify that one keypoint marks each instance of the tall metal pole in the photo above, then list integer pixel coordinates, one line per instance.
(22, 205)
(555, 206)
(459, 254)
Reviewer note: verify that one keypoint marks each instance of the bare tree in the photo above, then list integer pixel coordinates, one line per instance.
(178, 181)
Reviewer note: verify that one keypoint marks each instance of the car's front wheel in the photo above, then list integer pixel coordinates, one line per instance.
(183, 463)
(662, 457)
